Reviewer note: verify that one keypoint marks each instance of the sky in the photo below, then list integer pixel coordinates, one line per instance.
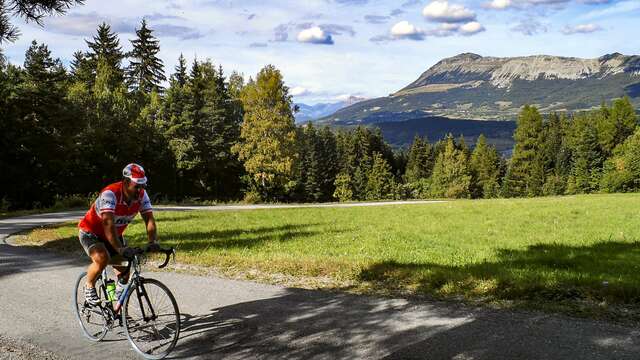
(328, 50)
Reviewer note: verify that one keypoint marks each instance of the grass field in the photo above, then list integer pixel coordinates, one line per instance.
(579, 254)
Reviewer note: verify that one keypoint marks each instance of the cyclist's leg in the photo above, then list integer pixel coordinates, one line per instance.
(98, 254)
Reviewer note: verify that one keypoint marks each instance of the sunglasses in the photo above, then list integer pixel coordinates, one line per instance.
(140, 186)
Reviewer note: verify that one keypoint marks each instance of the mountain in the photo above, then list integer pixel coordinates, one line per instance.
(317, 111)
(470, 86)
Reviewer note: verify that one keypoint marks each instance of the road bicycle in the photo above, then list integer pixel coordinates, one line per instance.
(146, 309)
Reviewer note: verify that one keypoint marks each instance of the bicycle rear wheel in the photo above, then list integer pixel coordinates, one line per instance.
(151, 319)
(91, 318)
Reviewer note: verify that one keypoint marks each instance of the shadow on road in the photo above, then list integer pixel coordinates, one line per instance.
(19, 259)
(303, 324)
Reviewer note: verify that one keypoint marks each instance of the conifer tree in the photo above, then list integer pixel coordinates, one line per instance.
(180, 74)
(462, 145)
(380, 182)
(615, 124)
(484, 166)
(587, 156)
(419, 161)
(81, 69)
(146, 70)
(328, 161)
(622, 170)
(105, 46)
(310, 163)
(44, 127)
(525, 176)
(451, 177)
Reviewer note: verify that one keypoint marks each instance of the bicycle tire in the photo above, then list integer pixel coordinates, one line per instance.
(139, 330)
(94, 330)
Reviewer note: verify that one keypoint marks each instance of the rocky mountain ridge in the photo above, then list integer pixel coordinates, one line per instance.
(470, 86)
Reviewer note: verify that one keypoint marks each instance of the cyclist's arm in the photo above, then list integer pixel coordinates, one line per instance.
(150, 224)
(110, 230)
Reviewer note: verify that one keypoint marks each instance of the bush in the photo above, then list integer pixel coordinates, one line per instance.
(73, 201)
(5, 204)
(252, 197)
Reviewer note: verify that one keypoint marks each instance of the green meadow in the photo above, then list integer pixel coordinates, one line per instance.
(577, 254)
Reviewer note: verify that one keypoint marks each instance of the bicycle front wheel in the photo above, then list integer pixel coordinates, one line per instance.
(92, 320)
(151, 319)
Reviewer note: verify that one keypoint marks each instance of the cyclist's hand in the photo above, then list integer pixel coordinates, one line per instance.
(153, 247)
(129, 252)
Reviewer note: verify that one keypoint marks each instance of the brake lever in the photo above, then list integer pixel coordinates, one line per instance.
(168, 257)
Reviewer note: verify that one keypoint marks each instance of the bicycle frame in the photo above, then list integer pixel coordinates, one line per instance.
(114, 308)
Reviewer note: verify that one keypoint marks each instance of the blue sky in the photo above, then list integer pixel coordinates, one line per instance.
(331, 49)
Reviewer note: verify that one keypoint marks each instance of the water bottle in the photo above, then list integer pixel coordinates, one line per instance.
(111, 290)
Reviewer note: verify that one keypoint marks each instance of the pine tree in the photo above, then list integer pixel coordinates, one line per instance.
(587, 155)
(419, 161)
(44, 126)
(622, 170)
(176, 126)
(105, 46)
(461, 144)
(328, 155)
(615, 124)
(484, 166)
(81, 69)
(380, 182)
(180, 74)
(310, 163)
(525, 176)
(268, 136)
(146, 70)
(451, 177)
(555, 155)
(216, 132)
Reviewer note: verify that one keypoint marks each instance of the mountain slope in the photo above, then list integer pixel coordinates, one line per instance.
(469, 86)
(317, 111)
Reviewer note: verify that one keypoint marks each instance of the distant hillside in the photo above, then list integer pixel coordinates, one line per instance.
(469, 86)
(401, 133)
(313, 112)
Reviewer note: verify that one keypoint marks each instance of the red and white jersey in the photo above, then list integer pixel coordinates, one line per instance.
(111, 199)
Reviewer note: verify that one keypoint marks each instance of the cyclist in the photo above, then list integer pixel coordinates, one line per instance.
(100, 231)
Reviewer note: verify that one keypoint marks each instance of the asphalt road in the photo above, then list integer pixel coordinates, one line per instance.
(244, 320)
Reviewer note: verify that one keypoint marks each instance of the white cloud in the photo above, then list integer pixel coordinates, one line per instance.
(299, 91)
(451, 29)
(471, 28)
(499, 4)
(530, 27)
(444, 30)
(406, 30)
(315, 35)
(442, 11)
(581, 29)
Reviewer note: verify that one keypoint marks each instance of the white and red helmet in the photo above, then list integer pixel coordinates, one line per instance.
(135, 173)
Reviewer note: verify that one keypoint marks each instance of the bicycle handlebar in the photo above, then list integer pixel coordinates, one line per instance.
(166, 251)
